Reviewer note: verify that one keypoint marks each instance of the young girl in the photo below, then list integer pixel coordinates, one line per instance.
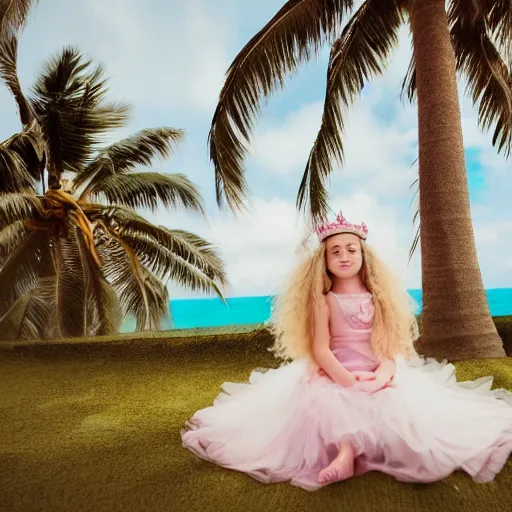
(355, 396)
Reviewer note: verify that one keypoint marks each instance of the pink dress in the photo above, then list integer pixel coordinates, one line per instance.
(283, 426)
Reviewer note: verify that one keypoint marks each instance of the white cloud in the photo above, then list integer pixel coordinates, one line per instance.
(260, 248)
(490, 232)
(284, 148)
(209, 60)
(486, 235)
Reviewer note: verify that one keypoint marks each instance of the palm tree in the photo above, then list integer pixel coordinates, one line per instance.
(473, 37)
(75, 256)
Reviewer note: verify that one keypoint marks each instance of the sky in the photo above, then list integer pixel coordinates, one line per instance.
(168, 58)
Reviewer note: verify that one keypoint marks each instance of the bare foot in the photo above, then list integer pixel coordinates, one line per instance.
(341, 468)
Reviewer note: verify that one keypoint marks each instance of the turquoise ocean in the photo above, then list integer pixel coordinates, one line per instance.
(211, 312)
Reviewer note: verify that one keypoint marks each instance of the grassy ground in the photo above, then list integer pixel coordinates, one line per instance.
(95, 426)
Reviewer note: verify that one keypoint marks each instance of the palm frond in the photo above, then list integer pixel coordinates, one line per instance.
(17, 207)
(148, 190)
(489, 79)
(70, 293)
(140, 293)
(358, 54)
(291, 37)
(103, 306)
(9, 73)
(20, 272)
(416, 240)
(14, 176)
(498, 14)
(28, 317)
(409, 82)
(123, 156)
(13, 15)
(102, 310)
(69, 99)
(189, 247)
(198, 252)
(55, 289)
(166, 264)
(10, 237)
(30, 147)
(86, 304)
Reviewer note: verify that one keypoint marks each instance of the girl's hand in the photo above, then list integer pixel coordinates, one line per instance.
(364, 376)
(372, 386)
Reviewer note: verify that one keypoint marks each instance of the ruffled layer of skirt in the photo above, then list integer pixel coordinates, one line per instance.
(281, 426)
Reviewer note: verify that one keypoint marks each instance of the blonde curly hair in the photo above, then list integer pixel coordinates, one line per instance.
(395, 327)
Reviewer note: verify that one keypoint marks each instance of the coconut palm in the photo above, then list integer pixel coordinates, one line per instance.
(75, 256)
(473, 37)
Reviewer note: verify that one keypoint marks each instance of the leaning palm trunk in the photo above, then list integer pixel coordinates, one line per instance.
(456, 323)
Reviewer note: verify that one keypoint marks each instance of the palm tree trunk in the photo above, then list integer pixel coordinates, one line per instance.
(456, 321)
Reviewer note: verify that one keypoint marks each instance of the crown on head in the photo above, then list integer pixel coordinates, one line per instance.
(340, 225)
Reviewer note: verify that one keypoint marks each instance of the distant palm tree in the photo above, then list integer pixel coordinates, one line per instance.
(75, 256)
(473, 37)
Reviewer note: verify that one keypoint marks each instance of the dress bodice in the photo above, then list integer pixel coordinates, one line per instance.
(352, 314)
(351, 320)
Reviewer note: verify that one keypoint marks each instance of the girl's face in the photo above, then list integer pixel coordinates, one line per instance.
(344, 257)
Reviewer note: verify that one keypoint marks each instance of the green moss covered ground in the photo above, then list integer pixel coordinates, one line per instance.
(95, 426)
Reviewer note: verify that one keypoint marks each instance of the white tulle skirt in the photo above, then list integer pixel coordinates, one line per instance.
(282, 426)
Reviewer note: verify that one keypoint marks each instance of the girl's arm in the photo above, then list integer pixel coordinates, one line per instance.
(321, 350)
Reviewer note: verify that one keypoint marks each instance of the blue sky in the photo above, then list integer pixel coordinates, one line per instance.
(168, 60)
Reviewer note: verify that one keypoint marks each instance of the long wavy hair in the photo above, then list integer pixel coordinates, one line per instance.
(395, 327)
